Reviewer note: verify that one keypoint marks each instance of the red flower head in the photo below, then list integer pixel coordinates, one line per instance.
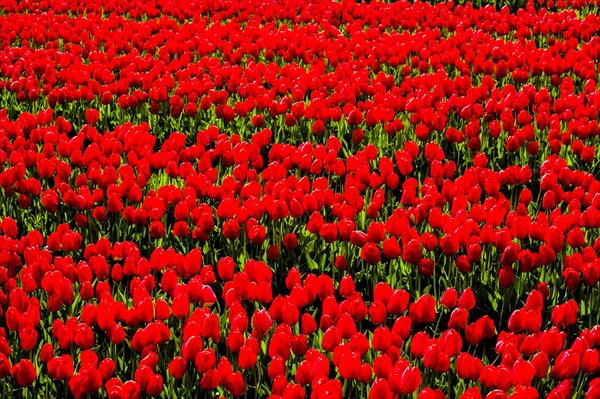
(23, 373)
(370, 253)
(5, 367)
(403, 381)
(423, 310)
(522, 372)
(468, 367)
(246, 358)
(566, 314)
(177, 367)
(380, 390)
(234, 383)
(412, 252)
(450, 298)
(566, 365)
(154, 386)
(261, 322)
(60, 368)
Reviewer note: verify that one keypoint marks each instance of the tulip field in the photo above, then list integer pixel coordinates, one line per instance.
(294, 199)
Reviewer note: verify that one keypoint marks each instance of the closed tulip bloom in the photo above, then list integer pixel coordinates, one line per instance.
(503, 377)
(380, 389)
(522, 372)
(154, 386)
(331, 339)
(398, 301)
(566, 314)
(205, 360)
(589, 361)
(391, 248)
(106, 368)
(419, 343)
(405, 381)
(432, 356)
(210, 380)
(246, 358)
(450, 298)
(541, 363)
(177, 367)
(84, 337)
(60, 368)
(429, 393)
(468, 367)
(349, 366)
(563, 390)
(530, 344)
(377, 312)
(23, 373)
(234, 383)
(27, 338)
(423, 310)
(566, 365)
(467, 299)
(412, 252)
(5, 366)
(451, 342)
(46, 353)
(594, 389)
(552, 341)
(370, 253)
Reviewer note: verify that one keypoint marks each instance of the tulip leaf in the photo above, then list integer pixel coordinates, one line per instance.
(322, 261)
(312, 265)
(494, 298)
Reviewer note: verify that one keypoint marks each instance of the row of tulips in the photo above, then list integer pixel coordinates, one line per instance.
(385, 341)
(232, 195)
(453, 74)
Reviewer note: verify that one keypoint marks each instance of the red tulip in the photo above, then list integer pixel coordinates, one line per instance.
(552, 341)
(451, 342)
(594, 389)
(589, 361)
(541, 364)
(522, 372)
(405, 381)
(154, 385)
(377, 312)
(450, 298)
(177, 367)
(331, 339)
(458, 319)
(107, 368)
(398, 301)
(349, 366)
(370, 253)
(60, 368)
(423, 310)
(23, 373)
(566, 314)
(205, 360)
(566, 365)
(380, 389)
(359, 343)
(246, 358)
(391, 248)
(5, 366)
(412, 252)
(468, 367)
(210, 380)
(234, 383)
(563, 390)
